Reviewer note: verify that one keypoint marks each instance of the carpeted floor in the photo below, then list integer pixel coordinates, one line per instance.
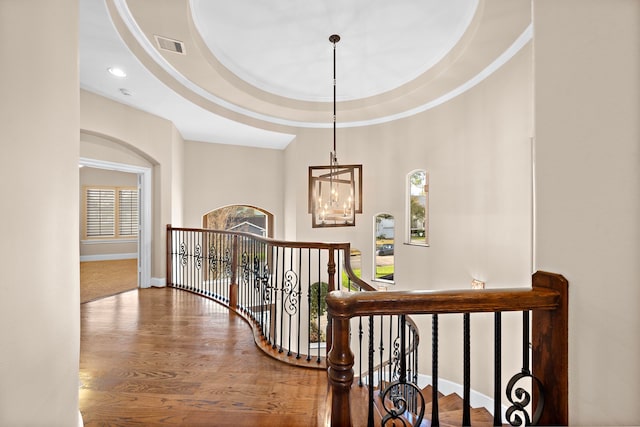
(99, 279)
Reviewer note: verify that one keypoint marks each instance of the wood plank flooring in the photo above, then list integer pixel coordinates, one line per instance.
(164, 357)
(99, 279)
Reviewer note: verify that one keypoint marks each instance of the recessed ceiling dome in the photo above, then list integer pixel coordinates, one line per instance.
(282, 46)
(255, 72)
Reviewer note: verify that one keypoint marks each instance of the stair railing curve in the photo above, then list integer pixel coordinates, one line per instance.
(278, 286)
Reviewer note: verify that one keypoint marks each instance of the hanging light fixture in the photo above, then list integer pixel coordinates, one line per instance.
(335, 191)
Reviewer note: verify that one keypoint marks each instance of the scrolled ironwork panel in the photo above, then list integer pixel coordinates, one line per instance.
(264, 277)
(399, 394)
(291, 290)
(520, 399)
(184, 256)
(396, 364)
(244, 266)
(213, 259)
(197, 256)
(226, 262)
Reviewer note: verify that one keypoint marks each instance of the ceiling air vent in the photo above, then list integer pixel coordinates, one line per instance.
(171, 45)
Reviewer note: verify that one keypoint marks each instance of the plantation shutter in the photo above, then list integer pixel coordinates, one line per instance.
(101, 218)
(128, 212)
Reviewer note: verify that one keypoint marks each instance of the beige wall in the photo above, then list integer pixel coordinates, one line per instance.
(477, 150)
(103, 249)
(218, 175)
(588, 194)
(153, 139)
(39, 120)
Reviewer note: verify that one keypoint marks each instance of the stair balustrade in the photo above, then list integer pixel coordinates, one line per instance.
(400, 401)
(279, 287)
(287, 290)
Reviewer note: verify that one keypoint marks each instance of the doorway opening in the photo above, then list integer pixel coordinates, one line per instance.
(143, 184)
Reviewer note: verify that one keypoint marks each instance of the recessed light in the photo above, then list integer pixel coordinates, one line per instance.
(118, 72)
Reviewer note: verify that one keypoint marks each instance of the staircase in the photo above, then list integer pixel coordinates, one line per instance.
(450, 410)
(272, 285)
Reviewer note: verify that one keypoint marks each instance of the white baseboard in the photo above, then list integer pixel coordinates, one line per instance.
(157, 282)
(107, 257)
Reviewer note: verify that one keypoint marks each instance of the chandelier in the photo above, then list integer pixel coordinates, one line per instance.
(335, 191)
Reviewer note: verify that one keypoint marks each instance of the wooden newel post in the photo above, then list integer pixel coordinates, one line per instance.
(550, 351)
(340, 373)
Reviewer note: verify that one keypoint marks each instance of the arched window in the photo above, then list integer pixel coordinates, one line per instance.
(418, 208)
(248, 219)
(384, 247)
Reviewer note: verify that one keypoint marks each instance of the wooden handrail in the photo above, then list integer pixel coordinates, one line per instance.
(344, 246)
(547, 299)
(351, 304)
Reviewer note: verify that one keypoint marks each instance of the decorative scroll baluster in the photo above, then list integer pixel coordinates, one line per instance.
(497, 376)
(401, 392)
(282, 297)
(466, 405)
(393, 353)
(299, 302)
(520, 398)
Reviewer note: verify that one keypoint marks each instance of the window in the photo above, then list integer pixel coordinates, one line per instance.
(355, 260)
(384, 247)
(243, 218)
(111, 212)
(418, 208)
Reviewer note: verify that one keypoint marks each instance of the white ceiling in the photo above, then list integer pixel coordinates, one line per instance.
(282, 46)
(254, 71)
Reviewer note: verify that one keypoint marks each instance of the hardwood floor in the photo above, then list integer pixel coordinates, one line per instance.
(169, 358)
(99, 279)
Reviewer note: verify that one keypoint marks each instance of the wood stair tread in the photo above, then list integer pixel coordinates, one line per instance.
(450, 409)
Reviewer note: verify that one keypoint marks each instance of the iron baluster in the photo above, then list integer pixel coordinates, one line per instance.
(392, 348)
(403, 352)
(309, 307)
(435, 417)
(360, 333)
(282, 296)
(319, 305)
(371, 374)
(299, 301)
(380, 371)
(517, 413)
(274, 299)
(466, 411)
(497, 377)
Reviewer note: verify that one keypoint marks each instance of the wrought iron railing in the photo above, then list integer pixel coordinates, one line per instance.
(400, 400)
(278, 286)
